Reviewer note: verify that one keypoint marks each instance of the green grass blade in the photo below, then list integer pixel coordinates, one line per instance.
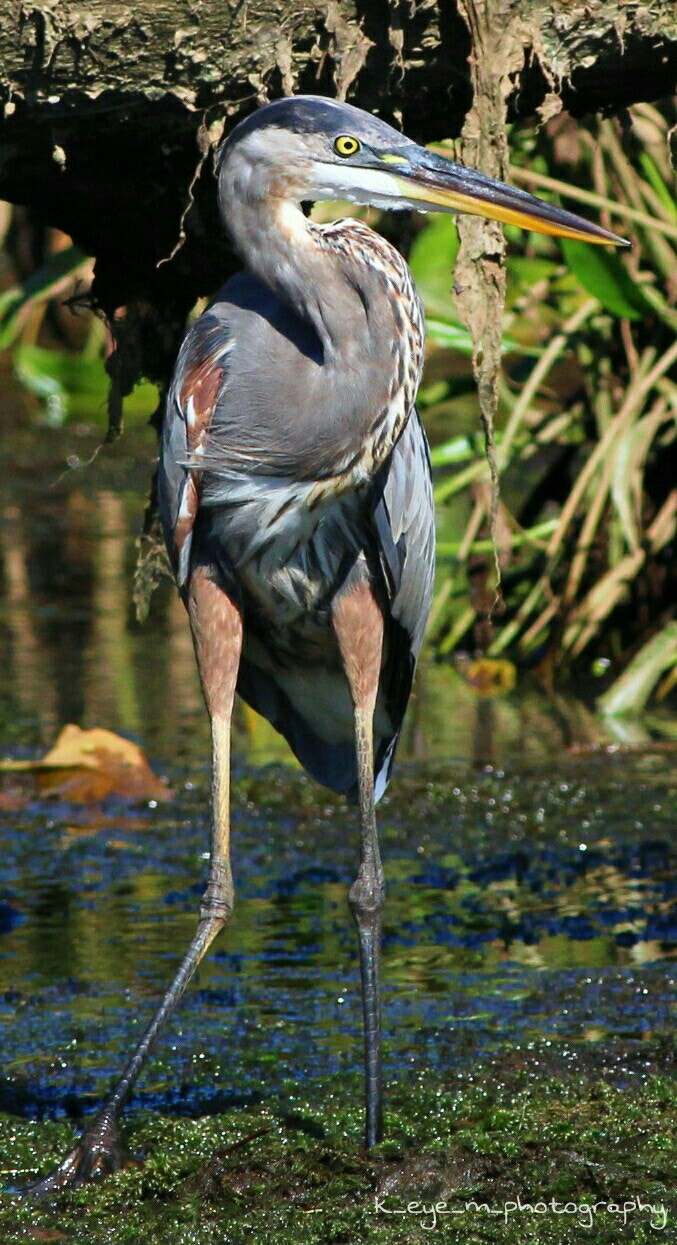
(633, 688)
(602, 274)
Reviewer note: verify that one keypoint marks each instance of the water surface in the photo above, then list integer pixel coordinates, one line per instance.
(526, 850)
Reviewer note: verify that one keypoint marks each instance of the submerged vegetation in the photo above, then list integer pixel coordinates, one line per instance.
(586, 424)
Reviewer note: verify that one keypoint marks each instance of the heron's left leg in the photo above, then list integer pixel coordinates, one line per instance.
(216, 624)
(358, 624)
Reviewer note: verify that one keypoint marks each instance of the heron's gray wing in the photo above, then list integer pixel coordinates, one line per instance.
(288, 408)
(399, 541)
(199, 375)
(404, 522)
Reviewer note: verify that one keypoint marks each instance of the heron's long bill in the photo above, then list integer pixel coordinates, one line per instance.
(443, 184)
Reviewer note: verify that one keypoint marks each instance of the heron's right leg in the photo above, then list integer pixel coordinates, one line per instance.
(358, 625)
(217, 635)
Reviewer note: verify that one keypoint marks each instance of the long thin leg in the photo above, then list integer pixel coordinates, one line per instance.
(217, 634)
(358, 624)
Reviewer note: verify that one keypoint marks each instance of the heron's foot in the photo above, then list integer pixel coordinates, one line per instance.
(96, 1155)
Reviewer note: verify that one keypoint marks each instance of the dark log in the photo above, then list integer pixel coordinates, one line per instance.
(103, 104)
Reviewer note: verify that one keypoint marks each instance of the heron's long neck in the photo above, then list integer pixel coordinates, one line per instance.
(284, 250)
(356, 291)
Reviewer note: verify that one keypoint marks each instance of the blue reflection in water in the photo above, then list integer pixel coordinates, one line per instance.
(507, 945)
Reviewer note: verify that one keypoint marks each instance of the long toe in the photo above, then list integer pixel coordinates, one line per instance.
(98, 1154)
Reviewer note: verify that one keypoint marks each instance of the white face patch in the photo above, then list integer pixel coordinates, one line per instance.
(275, 163)
(356, 184)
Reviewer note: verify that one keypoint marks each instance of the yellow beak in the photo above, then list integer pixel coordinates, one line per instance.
(432, 182)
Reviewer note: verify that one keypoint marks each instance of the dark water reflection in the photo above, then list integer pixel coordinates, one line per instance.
(528, 878)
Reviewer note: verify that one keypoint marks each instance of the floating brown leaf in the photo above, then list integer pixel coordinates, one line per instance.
(89, 766)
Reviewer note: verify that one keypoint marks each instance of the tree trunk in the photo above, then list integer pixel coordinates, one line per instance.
(110, 107)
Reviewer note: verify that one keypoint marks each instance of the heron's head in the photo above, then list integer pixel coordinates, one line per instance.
(309, 148)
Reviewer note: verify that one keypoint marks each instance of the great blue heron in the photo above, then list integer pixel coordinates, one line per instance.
(295, 491)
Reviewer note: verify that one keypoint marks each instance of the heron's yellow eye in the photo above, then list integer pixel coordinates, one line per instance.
(346, 145)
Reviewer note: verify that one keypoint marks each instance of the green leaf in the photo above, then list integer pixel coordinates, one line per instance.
(631, 691)
(36, 365)
(652, 174)
(627, 479)
(442, 333)
(42, 382)
(431, 262)
(74, 384)
(15, 304)
(459, 450)
(529, 536)
(455, 337)
(602, 274)
(527, 270)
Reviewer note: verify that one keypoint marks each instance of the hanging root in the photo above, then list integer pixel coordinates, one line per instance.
(487, 388)
(497, 55)
(152, 562)
(208, 136)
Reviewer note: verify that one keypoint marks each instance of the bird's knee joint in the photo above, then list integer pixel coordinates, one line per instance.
(216, 908)
(217, 901)
(367, 896)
